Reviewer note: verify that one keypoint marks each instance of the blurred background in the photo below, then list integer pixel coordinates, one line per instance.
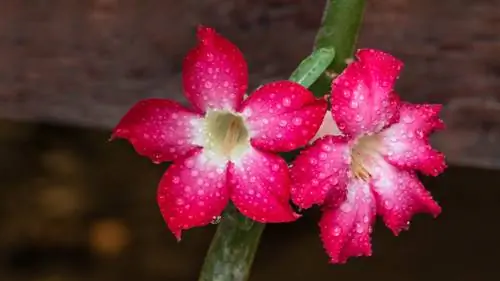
(76, 207)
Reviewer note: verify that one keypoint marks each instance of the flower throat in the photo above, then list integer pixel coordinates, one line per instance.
(226, 132)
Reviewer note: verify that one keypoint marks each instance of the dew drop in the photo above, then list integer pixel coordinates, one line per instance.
(346, 207)
(216, 220)
(366, 219)
(287, 102)
(359, 228)
(297, 121)
(388, 204)
(354, 104)
(337, 231)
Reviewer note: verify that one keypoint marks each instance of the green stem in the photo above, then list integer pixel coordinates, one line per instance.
(235, 243)
(339, 30)
(233, 248)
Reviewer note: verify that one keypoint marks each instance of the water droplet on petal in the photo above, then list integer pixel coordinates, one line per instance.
(176, 180)
(337, 231)
(287, 102)
(346, 207)
(297, 121)
(388, 204)
(359, 228)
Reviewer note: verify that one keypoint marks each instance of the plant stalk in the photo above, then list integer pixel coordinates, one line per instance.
(232, 251)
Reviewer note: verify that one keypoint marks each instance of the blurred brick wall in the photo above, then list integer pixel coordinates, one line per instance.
(85, 62)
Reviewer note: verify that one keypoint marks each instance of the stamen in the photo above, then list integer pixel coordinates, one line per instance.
(358, 170)
(226, 133)
(232, 136)
(363, 151)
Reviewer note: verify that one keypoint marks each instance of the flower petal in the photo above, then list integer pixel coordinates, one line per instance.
(192, 192)
(362, 97)
(160, 129)
(282, 116)
(214, 74)
(346, 228)
(406, 144)
(400, 195)
(261, 187)
(318, 169)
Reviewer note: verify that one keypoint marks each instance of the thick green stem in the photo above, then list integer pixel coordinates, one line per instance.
(235, 243)
(339, 30)
(233, 248)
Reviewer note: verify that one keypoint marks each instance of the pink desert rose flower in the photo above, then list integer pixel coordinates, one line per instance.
(224, 147)
(366, 165)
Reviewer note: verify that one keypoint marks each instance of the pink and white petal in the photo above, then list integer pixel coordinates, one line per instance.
(383, 67)
(406, 143)
(260, 187)
(318, 169)
(215, 74)
(400, 195)
(345, 229)
(328, 127)
(282, 116)
(160, 129)
(193, 192)
(362, 97)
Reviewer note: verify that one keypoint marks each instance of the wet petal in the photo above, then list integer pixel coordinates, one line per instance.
(214, 74)
(406, 143)
(283, 116)
(192, 192)
(318, 169)
(260, 187)
(346, 228)
(160, 129)
(400, 195)
(362, 97)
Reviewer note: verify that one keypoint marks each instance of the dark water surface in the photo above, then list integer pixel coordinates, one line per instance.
(76, 207)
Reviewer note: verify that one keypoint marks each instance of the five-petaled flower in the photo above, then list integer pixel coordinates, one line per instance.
(369, 167)
(224, 147)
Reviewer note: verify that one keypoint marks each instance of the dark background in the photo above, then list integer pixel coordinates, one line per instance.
(76, 207)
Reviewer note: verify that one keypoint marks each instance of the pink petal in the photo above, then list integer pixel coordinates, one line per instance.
(261, 187)
(283, 116)
(362, 97)
(160, 129)
(214, 73)
(400, 195)
(318, 169)
(406, 143)
(346, 228)
(192, 192)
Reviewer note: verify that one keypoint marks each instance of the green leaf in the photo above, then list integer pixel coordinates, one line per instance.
(313, 66)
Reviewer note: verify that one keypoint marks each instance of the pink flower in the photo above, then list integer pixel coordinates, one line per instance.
(225, 146)
(368, 168)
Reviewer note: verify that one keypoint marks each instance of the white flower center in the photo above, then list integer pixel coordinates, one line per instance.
(363, 152)
(226, 134)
